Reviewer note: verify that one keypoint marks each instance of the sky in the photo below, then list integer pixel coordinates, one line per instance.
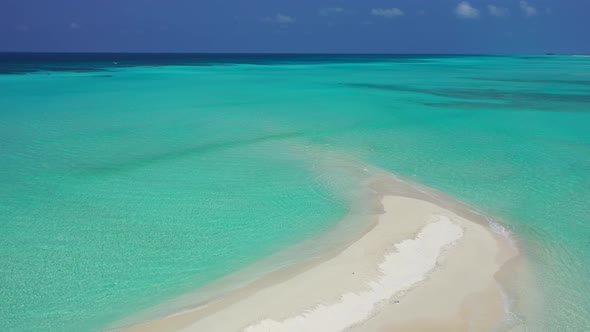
(296, 26)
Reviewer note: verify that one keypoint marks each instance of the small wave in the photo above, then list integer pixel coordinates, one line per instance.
(511, 318)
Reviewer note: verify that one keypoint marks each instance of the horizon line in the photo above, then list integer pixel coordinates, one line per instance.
(275, 53)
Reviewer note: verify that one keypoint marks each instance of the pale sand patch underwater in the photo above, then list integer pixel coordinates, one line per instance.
(421, 267)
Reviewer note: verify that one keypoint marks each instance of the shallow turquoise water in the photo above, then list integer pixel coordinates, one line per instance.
(127, 187)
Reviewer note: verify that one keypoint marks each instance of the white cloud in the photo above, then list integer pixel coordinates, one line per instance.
(280, 19)
(465, 10)
(74, 26)
(527, 9)
(387, 12)
(330, 11)
(498, 11)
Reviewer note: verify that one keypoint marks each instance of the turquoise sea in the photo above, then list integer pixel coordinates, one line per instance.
(128, 180)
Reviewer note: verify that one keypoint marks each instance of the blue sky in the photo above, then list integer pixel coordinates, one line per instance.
(300, 26)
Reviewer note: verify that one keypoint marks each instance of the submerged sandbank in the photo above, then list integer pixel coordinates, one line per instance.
(428, 263)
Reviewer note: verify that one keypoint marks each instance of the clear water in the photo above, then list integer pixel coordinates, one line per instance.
(128, 180)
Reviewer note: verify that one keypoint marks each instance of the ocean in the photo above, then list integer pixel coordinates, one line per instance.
(131, 179)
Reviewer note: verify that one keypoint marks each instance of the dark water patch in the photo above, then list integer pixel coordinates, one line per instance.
(466, 105)
(541, 81)
(516, 107)
(531, 57)
(386, 87)
(145, 161)
(510, 96)
(22, 63)
(13, 71)
(23, 69)
(72, 69)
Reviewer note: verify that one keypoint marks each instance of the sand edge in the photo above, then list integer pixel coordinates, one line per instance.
(464, 275)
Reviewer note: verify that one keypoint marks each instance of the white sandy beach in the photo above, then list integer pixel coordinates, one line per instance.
(422, 267)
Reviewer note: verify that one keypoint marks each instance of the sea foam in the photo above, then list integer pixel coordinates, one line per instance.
(409, 264)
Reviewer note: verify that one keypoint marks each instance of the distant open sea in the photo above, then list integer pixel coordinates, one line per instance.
(130, 179)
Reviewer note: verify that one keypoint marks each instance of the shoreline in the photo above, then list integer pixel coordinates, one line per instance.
(472, 260)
